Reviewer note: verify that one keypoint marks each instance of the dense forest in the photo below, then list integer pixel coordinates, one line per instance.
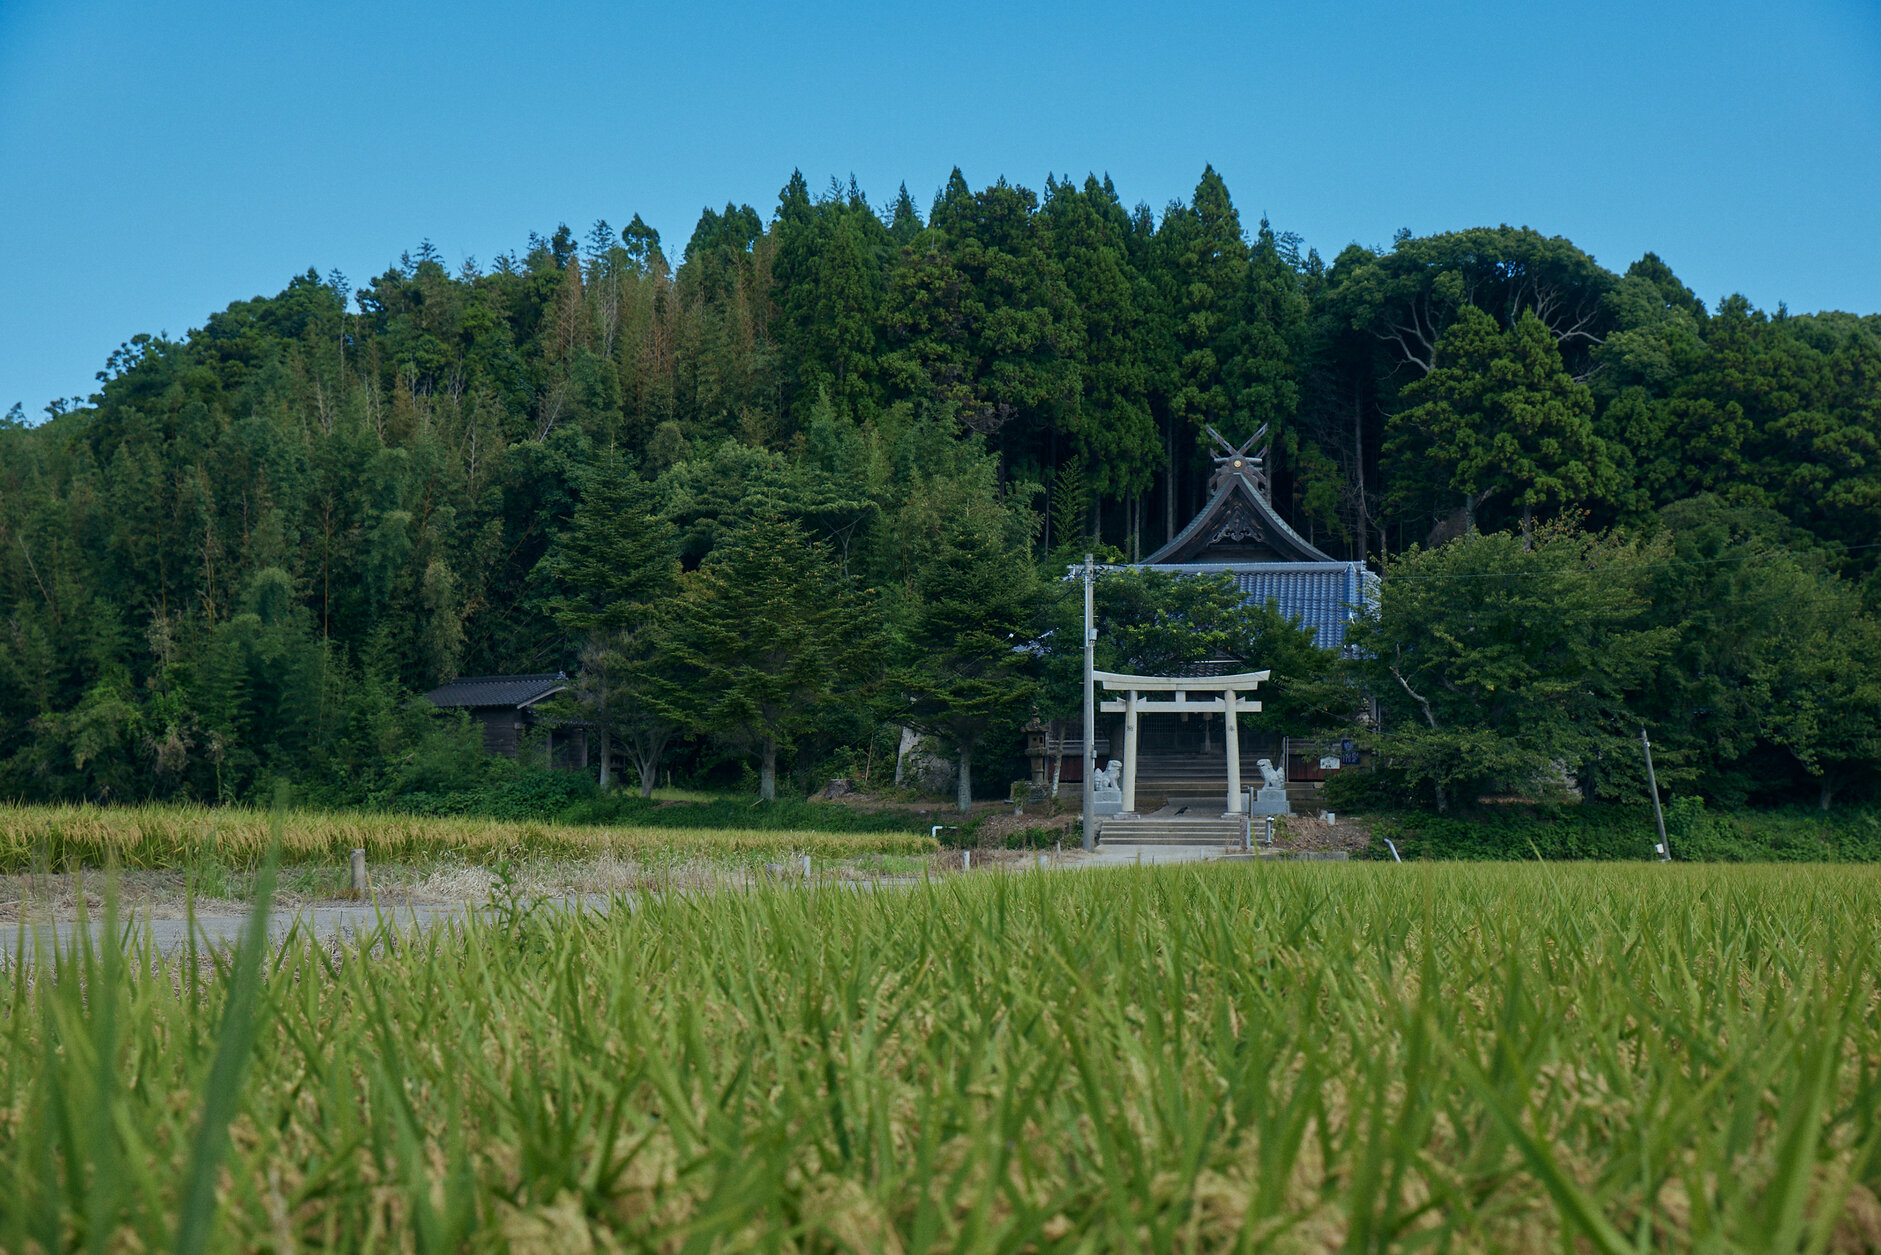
(813, 478)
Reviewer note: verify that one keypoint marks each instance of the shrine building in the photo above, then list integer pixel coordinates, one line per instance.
(1237, 533)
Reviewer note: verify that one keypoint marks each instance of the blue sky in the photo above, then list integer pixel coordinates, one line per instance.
(160, 161)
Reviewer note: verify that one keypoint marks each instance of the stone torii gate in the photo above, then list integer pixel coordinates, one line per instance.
(1230, 688)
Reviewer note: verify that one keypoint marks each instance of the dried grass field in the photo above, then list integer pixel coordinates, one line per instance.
(1299, 1057)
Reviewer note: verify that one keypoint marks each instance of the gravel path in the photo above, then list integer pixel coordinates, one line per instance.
(326, 923)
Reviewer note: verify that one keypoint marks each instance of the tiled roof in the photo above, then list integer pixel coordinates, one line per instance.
(508, 691)
(1212, 667)
(1324, 596)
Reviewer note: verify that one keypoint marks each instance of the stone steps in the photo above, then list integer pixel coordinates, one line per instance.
(1207, 774)
(1165, 830)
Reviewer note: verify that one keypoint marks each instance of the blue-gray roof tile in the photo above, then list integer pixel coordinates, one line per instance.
(1324, 596)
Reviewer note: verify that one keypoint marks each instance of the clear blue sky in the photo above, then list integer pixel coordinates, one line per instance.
(158, 161)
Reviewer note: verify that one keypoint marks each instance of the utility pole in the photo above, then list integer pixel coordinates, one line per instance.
(1652, 782)
(1090, 709)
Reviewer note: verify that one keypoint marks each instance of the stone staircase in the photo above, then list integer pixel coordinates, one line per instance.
(1208, 774)
(1207, 829)
(1192, 773)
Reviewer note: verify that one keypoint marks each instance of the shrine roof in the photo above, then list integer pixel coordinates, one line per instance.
(1325, 596)
(1236, 515)
(506, 691)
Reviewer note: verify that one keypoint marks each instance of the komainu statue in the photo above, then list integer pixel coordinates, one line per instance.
(1270, 775)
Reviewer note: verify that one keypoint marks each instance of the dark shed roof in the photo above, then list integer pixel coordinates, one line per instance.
(502, 691)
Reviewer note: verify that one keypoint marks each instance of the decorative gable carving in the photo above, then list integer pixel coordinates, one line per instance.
(1237, 525)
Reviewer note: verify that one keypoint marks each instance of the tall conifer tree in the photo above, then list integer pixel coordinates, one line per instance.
(765, 634)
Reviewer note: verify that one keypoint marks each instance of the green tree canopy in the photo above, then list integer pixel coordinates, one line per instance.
(1498, 416)
(1503, 668)
(765, 633)
(972, 616)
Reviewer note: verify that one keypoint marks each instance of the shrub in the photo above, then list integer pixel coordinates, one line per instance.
(1848, 835)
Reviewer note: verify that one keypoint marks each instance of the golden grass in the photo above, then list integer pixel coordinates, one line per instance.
(157, 836)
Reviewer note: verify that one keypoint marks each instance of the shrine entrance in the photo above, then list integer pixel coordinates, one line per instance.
(1225, 698)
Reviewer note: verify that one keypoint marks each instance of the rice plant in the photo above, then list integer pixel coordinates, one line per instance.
(1305, 1057)
(156, 836)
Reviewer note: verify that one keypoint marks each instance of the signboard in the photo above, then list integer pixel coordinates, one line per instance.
(1329, 763)
(1348, 752)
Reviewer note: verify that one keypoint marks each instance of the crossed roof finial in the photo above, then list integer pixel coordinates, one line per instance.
(1230, 451)
(1240, 460)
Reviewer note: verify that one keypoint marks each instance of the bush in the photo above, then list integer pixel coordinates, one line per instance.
(532, 795)
(449, 757)
(1849, 835)
(1036, 838)
(1360, 789)
(595, 807)
(1582, 832)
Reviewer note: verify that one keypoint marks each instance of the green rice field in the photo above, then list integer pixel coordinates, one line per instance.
(1302, 1057)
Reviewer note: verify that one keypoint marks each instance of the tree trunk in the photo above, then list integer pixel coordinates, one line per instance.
(1469, 512)
(1528, 527)
(1169, 489)
(646, 747)
(1358, 467)
(964, 797)
(646, 765)
(602, 737)
(1825, 793)
(767, 771)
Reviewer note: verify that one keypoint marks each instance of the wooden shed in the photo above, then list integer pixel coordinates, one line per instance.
(506, 707)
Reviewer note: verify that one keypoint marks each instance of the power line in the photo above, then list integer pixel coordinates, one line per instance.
(1675, 562)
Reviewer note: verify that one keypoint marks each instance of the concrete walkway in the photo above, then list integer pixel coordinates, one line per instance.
(1144, 855)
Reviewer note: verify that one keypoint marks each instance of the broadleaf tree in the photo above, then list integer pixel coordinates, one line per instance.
(1506, 669)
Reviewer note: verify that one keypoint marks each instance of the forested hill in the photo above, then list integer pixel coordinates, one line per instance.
(379, 471)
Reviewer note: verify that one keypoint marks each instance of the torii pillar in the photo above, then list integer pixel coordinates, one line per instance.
(1231, 733)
